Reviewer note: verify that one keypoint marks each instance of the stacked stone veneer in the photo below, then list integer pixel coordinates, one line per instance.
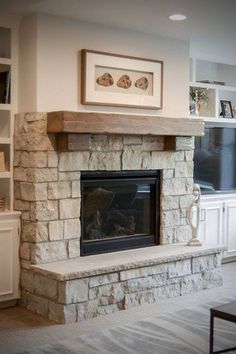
(85, 295)
(47, 192)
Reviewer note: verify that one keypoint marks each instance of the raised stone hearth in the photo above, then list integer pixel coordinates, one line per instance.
(48, 193)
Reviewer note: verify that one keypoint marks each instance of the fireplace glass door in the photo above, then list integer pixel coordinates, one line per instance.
(120, 210)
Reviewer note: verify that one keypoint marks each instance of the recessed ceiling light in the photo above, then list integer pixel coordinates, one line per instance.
(177, 17)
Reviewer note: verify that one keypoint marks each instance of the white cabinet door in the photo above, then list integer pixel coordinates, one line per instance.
(211, 225)
(230, 227)
(9, 260)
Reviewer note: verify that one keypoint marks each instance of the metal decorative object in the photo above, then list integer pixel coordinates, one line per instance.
(194, 219)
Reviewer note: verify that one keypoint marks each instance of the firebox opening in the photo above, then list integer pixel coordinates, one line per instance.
(120, 210)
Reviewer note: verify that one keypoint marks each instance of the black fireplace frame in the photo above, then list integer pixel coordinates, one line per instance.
(126, 242)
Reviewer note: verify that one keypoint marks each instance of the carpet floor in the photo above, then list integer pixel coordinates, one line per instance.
(184, 331)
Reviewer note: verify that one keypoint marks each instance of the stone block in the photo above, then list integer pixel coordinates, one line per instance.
(99, 143)
(87, 310)
(59, 190)
(184, 169)
(44, 210)
(73, 291)
(103, 161)
(37, 304)
(46, 252)
(212, 278)
(132, 140)
(184, 143)
(76, 193)
(56, 230)
(189, 155)
(177, 186)
(133, 273)
(17, 158)
(203, 263)
(69, 176)
(27, 280)
(21, 205)
(107, 294)
(141, 284)
(163, 160)
(52, 159)
(62, 313)
(20, 174)
(153, 143)
(45, 287)
(169, 202)
(185, 200)
(69, 208)
(115, 143)
(33, 191)
(191, 283)
(42, 174)
(74, 161)
(25, 250)
(179, 155)
(132, 157)
(17, 190)
(168, 235)
(146, 163)
(168, 173)
(103, 279)
(170, 218)
(183, 233)
(74, 248)
(107, 309)
(72, 228)
(34, 159)
(179, 268)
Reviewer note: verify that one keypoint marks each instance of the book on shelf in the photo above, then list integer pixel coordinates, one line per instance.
(5, 86)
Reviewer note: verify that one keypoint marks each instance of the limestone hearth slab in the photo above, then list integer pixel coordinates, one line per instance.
(82, 267)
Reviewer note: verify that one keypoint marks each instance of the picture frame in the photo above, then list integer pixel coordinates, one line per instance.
(226, 108)
(118, 80)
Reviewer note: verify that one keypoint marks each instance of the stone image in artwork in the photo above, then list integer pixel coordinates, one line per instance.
(142, 83)
(124, 82)
(105, 80)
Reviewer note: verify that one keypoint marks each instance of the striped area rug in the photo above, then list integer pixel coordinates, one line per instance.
(183, 332)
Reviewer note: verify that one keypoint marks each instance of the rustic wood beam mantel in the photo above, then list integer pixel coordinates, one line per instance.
(74, 128)
(107, 123)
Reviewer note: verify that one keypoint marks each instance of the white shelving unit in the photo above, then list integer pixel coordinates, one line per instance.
(218, 211)
(9, 219)
(201, 70)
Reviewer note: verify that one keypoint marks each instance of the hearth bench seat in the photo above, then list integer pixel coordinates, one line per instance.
(85, 287)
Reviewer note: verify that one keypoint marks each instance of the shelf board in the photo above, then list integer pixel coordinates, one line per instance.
(5, 61)
(5, 107)
(5, 140)
(213, 87)
(5, 174)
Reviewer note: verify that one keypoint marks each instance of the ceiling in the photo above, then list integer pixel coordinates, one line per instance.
(210, 24)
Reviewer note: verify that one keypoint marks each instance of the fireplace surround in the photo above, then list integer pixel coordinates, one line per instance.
(50, 163)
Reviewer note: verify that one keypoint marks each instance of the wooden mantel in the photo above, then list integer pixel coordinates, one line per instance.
(107, 123)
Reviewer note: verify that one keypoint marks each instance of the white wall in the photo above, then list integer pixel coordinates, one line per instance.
(59, 41)
(27, 85)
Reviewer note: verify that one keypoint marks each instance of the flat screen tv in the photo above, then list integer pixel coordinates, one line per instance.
(215, 158)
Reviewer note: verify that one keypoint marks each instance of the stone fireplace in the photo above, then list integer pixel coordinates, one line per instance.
(89, 193)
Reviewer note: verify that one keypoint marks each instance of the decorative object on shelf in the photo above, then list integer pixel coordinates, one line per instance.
(234, 111)
(198, 96)
(2, 204)
(119, 80)
(2, 162)
(226, 107)
(195, 206)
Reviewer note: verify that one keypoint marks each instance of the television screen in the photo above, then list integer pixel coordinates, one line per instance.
(215, 159)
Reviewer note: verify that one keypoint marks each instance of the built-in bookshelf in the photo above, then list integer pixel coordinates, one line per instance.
(219, 81)
(7, 110)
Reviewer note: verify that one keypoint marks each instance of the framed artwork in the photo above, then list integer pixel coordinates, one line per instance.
(226, 108)
(119, 80)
